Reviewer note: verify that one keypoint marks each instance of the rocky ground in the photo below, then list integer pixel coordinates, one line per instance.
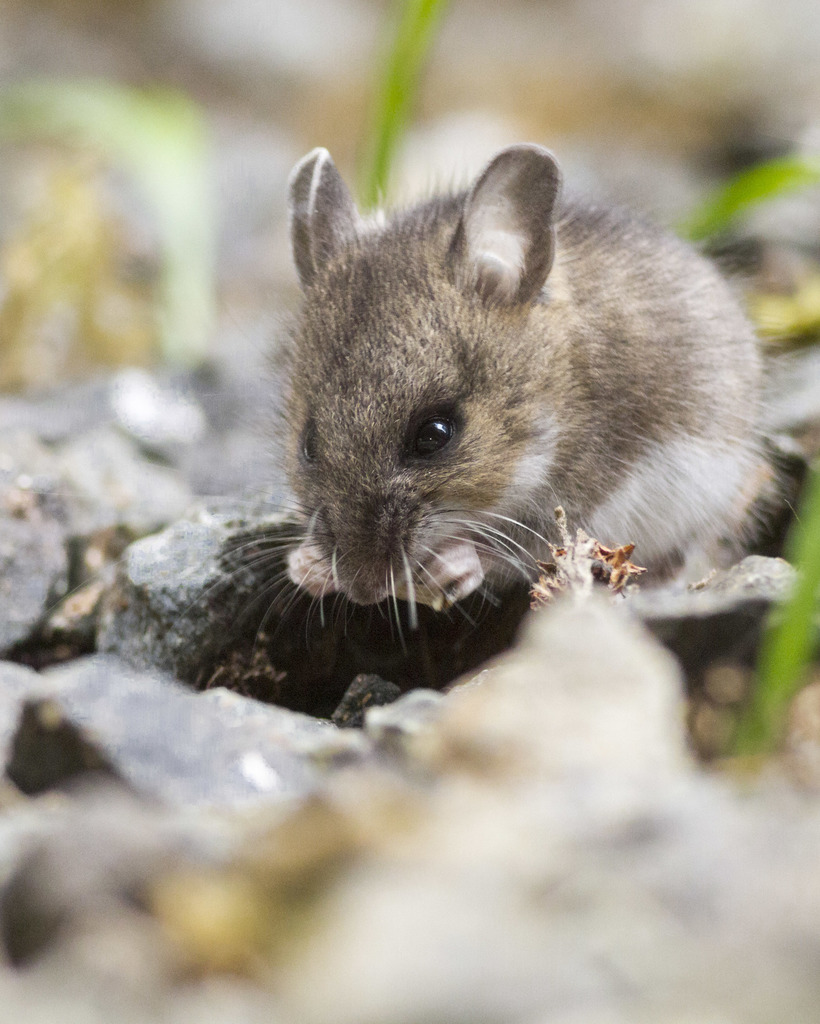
(220, 804)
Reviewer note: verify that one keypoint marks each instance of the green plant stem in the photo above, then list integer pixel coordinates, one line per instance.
(397, 90)
(789, 639)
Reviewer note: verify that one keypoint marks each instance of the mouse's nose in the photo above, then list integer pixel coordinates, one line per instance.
(363, 592)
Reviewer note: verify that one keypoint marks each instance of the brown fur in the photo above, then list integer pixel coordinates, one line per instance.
(634, 341)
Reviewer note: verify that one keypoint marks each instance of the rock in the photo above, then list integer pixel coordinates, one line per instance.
(93, 481)
(718, 620)
(17, 683)
(33, 565)
(173, 604)
(60, 508)
(541, 848)
(113, 484)
(366, 691)
(395, 728)
(571, 854)
(196, 600)
(48, 751)
(586, 687)
(159, 417)
(84, 873)
(164, 740)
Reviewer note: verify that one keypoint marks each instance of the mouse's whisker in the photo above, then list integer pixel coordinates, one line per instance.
(518, 525)
(222, 584)
(512, 547)
(396, 609)
(488, 596)
(334, 568)
(311, 524)
(276, 589)
(497, 544)
(427, 572)
(413, 617)
(495, 535)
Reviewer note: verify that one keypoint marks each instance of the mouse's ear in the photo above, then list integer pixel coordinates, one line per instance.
(505, 242)
(323, 216)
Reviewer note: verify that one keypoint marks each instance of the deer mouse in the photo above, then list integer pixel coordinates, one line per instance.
(460, 368)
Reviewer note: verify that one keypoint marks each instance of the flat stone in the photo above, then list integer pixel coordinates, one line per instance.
(169, 742)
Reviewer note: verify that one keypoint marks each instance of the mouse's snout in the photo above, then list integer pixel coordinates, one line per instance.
(381, 560)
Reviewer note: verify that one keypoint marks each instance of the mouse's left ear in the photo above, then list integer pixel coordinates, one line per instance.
(505, 242)
(323, 216)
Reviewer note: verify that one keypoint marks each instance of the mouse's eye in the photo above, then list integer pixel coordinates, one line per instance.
(433, 435)
(309, 442)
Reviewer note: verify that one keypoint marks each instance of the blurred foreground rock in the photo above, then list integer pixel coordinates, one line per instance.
(536, 845)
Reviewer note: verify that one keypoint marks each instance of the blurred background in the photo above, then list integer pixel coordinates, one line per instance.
(145, 148)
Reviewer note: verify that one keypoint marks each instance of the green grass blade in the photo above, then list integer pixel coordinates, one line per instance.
(397, 90)
(159, 137)
(749, 188)
(789, 639)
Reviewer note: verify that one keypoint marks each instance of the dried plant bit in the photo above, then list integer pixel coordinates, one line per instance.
(621, 570)
(550, 581)
(580, 563)
(563, 528)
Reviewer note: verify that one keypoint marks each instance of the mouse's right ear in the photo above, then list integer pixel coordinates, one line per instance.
(323, 216)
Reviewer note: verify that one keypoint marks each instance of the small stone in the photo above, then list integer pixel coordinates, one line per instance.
(366, 691)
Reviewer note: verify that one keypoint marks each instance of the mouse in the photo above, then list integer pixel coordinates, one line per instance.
(461, 366)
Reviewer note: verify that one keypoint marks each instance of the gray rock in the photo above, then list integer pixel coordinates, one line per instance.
(16, 683)
(575, 859)
(155, 414)
(544, 850)
(113, 484)
(49, 751)
(587, 694)
(55, 502)
(33, 567)
(177, 600)
(55, 417)
(94, 480)
(169, 742)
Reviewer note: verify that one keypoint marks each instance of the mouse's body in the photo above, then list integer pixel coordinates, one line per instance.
(462, 367)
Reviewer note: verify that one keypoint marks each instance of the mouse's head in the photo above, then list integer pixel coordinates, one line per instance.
(410, 405)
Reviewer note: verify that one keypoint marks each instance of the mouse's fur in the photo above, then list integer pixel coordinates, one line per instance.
(584, 358)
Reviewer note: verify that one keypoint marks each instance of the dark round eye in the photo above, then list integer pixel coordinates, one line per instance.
(309, 442)
(433, 435)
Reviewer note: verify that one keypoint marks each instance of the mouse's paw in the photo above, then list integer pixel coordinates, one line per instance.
(453, 572)
(311, 570)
